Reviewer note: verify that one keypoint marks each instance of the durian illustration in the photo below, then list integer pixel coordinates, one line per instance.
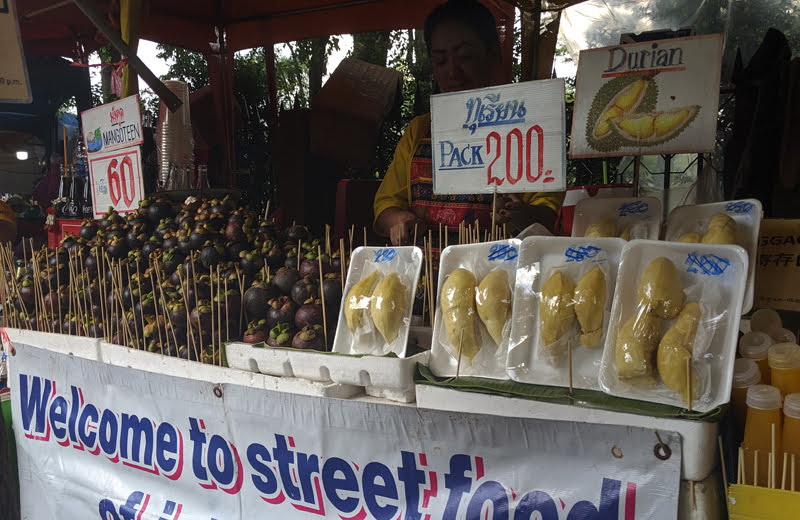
(388, 306)
(358, 300)
(493, 300)
(457, 303)
(616, 98)
(624, 113)
(590, 304)
(676, 347)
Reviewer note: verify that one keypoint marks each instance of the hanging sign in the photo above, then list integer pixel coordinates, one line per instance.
(116, 180)
(112, 126)
(647, 98)
(14, 86)
(508, 139)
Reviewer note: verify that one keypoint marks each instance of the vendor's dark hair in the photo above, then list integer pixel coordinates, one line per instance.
(469, 12)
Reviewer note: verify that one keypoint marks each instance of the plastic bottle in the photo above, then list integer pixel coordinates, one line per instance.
(791, 433)
(765, 320)
(755, 345)
(784, 364)
(782, 335)
(745, 375)
(763, 410)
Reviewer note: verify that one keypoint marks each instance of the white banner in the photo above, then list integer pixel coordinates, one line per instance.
(508, 139)
(116, 180)
(14, 85)
(100, 441)
(112, 126)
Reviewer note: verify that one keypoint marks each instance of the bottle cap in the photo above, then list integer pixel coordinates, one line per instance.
(782, 335)
(764, 320)
(784, 356)
(755, 345)
(763, 397)
(791, 406)
(745, 373)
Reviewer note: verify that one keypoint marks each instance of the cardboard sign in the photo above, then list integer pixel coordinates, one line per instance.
(14, 86)
(647, 98)
(508, 139)
(112, 126)
(116, 181)
(778, 265)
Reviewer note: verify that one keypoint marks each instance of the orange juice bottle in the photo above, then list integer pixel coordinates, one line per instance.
(784, 364)
(763, 410)
(745, 375)
(791, 432)
(755, 346)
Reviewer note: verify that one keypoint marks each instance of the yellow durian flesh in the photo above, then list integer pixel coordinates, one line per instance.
(457, 304)
(665, 122)
(556, 309)
(626, 234)
(590, 302)
(635, 347)
(721, 230)
(629, 96)
(358, 301)
(602, 227)
(691, 237)
(639, 126)
(388, 306)
(660, 289)
(493, 301)
(676, 348)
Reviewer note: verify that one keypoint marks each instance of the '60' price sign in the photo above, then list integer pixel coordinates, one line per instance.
(508, 139)
(116, 181)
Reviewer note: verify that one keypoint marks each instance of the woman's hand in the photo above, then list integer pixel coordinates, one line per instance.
(398, 224)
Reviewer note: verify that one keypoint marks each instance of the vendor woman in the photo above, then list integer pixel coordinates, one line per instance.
(462, 41)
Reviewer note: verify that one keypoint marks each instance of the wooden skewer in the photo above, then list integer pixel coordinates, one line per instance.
(494, 213)
(722, 463)
(769, 470)
(241, 295)
(793, 458)
(783, 477)
(328, 239)
(415, 235)
(299, 249)
(755, 467)
(742, 466)
(689, 394)
(342, 262)
(431, 296)
(196, 301)
(440, 237)
(460, 351)
(365, 236)
(266, 211)
(219, 317)
(569, 355)
(139, 289)
(691, 492)
(227, 317)
(351, 233)
(322, 297)
(211, 302)
(133, 304)
(772, 459)
(189, 330)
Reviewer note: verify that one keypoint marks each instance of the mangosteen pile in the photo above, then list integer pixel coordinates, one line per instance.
(181, 280)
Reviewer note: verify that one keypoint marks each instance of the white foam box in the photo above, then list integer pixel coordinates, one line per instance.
(116, 355)
(698, 439)
(388, 377)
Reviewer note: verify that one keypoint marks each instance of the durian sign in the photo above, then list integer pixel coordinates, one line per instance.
(505, 139)
(647, 98)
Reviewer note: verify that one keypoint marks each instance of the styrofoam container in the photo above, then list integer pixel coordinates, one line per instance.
(713, 276)
(746, 213)
(480, 259)
(537, 259)
(641, 214)
(407, 263)
(388, 377)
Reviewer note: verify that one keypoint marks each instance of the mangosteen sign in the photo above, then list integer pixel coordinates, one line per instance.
(112, 126)
(504, 139)
(116, 180)
(647, 98)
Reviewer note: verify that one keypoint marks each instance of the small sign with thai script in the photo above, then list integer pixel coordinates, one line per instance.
(112, 126)
(14, 86)
(508, 139)
(647, 98)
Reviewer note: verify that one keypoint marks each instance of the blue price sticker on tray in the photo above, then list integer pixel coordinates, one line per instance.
(635, 207)
(502, 253)
(739, 206)
(709, 264)
(385, 255)
(581, 253)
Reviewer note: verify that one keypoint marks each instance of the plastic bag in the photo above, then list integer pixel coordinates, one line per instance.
(625, 217)
(377, 302)
(474, 308)
(673, 302)
(554, 311)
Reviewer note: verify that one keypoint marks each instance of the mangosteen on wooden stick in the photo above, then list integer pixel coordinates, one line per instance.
(305, 289)
(308, 314)
(256, 299)
(310, 337)
(281, 335)
(281, 310)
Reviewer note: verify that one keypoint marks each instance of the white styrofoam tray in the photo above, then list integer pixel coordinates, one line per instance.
(98, 350)
(714, 276)
(537, 259)
(480, 260)
(642, 214)
(389, 377)
(699, 439)
(746, 213)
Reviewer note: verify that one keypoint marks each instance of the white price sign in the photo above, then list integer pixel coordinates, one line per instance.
(508, 139)
(116, 181)
(14, 86)
(112, 126)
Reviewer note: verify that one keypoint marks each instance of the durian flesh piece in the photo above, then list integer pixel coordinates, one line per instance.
(457, 304)
(692, 237)
(654, 127)
(625, 100)
(358, 301)
(626, 234)
(602, 227)
(721, 230)
(635, 347)
(676, 348)
(556, 309)
(590, 302)
(388, 306)
(660, 289)
(493, 300)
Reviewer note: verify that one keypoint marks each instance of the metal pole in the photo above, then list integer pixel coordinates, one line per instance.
(637, 162)
(96, 17)
(667, 173)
